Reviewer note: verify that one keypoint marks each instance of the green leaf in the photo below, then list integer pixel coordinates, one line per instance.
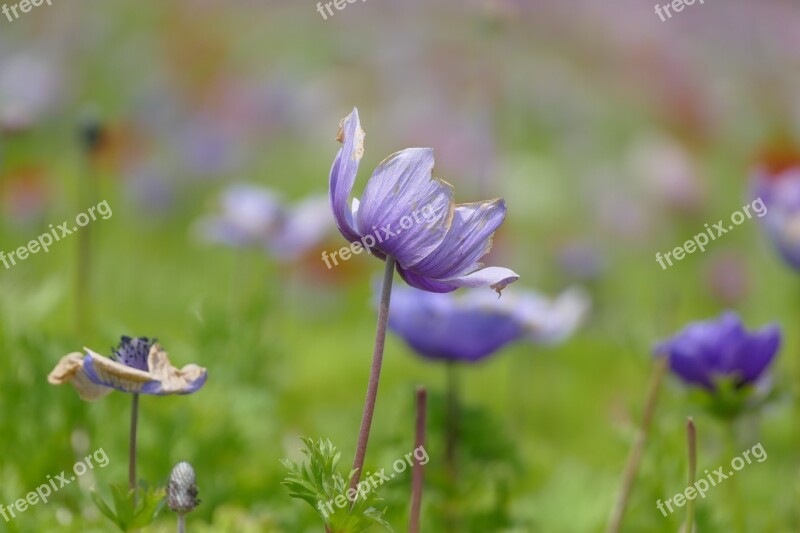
(103, 506)
(317, 482)
(133, 509)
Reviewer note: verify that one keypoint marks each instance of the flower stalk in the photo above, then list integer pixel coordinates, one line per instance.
(417, 477)
(134, 428)
(375, 372)
(691, 433)
(91, 132)
(451, 429)
(635, 456)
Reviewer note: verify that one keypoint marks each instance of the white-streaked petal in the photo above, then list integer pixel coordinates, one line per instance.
(467, 241)
(405, 208)
(343, 173)
(495, 277)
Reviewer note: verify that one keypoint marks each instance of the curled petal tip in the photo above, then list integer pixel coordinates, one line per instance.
(502, 284)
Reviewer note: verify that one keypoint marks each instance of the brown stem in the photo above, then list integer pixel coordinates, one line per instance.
(691, 433)
(635, 456)
(417, 478)
(375, 372)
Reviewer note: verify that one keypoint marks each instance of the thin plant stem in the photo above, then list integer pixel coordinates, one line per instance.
(181, 523)
(735, 490)
(132, 458)
(375, 372)
(452, 430)
(86, 196)
(691, 434)
(635, 456)
(417, 477)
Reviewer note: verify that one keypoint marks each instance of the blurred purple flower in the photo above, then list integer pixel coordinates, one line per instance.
(29, 86)
(668, 173)
(209, 146)
(778, 186)
(728, 278)
(254, 216)
(706, 352)
(441, 253)
(472, 326)
(581, 261)
(136, 366)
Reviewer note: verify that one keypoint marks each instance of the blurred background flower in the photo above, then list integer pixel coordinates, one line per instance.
(707, 353)
(777, 182)
(474, 324)
(255, 216)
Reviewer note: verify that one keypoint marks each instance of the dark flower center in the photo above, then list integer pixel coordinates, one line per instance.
(133, 352)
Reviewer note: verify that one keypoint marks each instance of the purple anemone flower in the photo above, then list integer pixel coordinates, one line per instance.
(410, 216)
(705, 353)
(778, 186)
(137, 366)
(472, 326)
(255, 216)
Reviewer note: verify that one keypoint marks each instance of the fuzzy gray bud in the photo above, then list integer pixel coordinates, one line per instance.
(182, 489)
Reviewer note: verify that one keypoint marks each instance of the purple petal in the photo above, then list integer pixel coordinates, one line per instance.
(343, 174)
(495, 277)
(405, 207)
(692, 369)
(469, 239)
(757, 352)
(423, 283)
(440, 326)
(157, 387)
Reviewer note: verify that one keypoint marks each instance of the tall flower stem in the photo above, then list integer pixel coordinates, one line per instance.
(132, 458)
(90, 136)
(417, 478)
(181, 523)
(734, 489)
(452, 410)
(691, 434)
(375, 372)
(635, 456)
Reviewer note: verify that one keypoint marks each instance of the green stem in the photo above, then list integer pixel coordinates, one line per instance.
(735, 490)
(691, 432)
(375, 372)
(635, 456)
(452, 431)
(83, 253)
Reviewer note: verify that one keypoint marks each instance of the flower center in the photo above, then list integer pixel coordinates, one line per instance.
(133, 352)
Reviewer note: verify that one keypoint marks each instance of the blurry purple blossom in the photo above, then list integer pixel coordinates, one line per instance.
(255, 216)
(778, 185)
(705, 352)
(473, 325)
(29, 87)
